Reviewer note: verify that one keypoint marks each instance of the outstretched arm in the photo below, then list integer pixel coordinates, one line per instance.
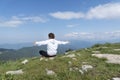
(63, 42)
(39, 43)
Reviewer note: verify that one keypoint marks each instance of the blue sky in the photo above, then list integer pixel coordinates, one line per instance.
(31, 20)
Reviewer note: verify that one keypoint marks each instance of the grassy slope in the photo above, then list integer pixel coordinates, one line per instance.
(35, 69)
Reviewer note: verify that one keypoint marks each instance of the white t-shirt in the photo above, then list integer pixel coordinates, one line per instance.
(52, 45)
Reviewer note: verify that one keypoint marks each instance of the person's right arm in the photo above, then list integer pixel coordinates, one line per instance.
(39, 43)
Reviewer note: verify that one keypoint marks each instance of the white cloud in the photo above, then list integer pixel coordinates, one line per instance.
(72, 25)
(106, 11)
(15, 21)
(11, 23)
(95, 36)
(67, 15)
(34, 19)
(73, 34)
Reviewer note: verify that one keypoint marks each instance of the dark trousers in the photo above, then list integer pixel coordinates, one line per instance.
(44, 53)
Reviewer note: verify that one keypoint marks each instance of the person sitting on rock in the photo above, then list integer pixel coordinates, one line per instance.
(52, 45)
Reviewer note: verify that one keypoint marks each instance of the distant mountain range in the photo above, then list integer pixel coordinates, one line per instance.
(73, 43)
(25, 50)
(16, 46)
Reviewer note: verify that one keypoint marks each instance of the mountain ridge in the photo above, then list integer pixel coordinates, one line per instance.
(73, 65)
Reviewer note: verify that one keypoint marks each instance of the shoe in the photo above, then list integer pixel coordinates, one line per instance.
(41, 58)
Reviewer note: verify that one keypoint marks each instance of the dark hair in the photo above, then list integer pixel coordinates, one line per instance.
(51, 35)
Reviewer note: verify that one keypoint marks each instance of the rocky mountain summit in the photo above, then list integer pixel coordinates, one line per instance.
(99, 62)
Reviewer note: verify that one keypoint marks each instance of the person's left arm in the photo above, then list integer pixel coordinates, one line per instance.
(63, 42)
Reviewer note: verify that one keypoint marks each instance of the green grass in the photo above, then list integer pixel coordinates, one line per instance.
(35, 69)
